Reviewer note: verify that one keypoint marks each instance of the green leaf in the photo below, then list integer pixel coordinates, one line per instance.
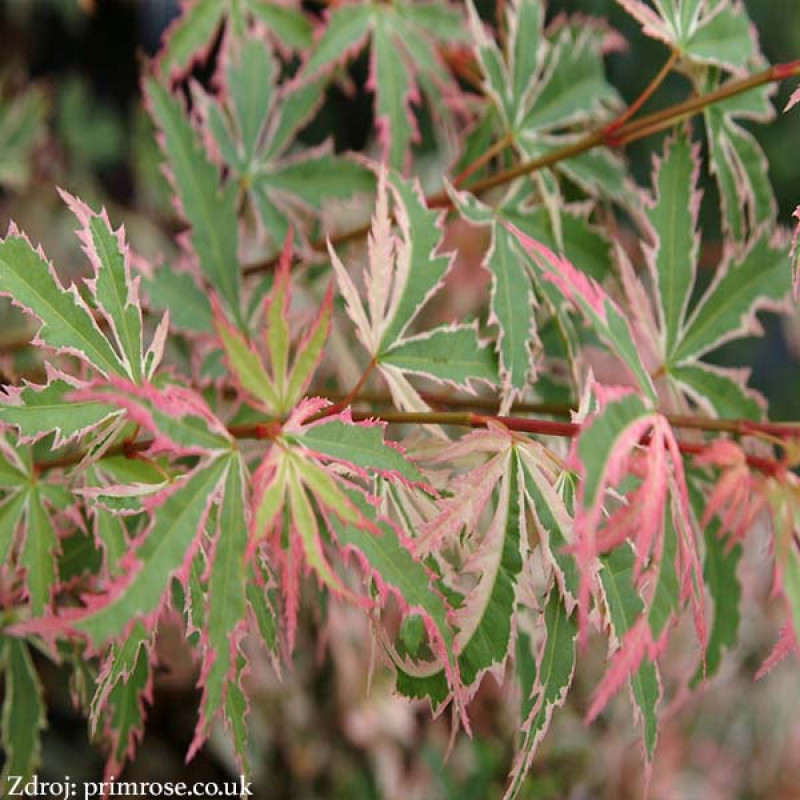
(555, 667)
(512, 307)
(673, 256)
(316, 178)
(38, 548)
(346, 28)
(392, 92)
(23, 715)
(393, 566)
(226, 594)
(488, 611)
(573, 86)
(761, 278)
(177, 292)
(739, 163)
(11, 511)
(525, 664)
(190, 35)
(726, 38)
(250, 79)
(526, 26)
(625, 608)
(161, 552)
(304, 523)
(66, 323)
(210, 210)
(720, 576)
(126, 706)
(263, 602)
(290, 25)
(113, 290)
(10, 475)
(46, 410)
(426, 270)
(308, 353)
(709, 385)
(362, 446)
(296, 106)
(451, 354)
(246, 364)
(442, 21)
(22, 125)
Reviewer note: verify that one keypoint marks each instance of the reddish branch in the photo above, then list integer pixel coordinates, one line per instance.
(269, 429)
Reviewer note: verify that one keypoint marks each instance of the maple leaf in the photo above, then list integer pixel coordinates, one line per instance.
(546, 86)
(727, 309)
(717, 32)
(24, 713)
(253, 125)
(479, 538)
(211, 245)
(714, 37)
(67, 325)
(555, 668)
(403, 273)
(517, 285)
(404, 39)
(318, 468)
(189, 39)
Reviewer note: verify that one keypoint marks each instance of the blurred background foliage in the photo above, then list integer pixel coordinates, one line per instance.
(70, 116)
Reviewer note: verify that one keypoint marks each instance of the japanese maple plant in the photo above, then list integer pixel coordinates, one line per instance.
(311, 407)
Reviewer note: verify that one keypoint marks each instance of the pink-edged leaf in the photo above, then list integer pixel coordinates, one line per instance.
(245, 364)
(66, 323)
(635, 657)
(389, 559)
(38, 552)
(123, 686)
(485, 620)
(785, 646)
(397, 290)
(758, 279)
(114, 289)
(274, 383)
(548, 503)
(602, 313)
(309, 352)
(675, 242)
(179, 418)
(162, 551)
(38, 411)
(360, 446)
(188, 40)
(207, 206)
(625, 437)
(227, 604)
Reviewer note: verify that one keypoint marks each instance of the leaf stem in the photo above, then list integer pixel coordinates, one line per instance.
(496, 149)
(648, 92)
